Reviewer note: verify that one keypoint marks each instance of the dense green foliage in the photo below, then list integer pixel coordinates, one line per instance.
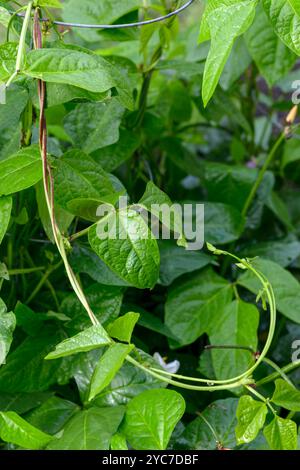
(159, 114)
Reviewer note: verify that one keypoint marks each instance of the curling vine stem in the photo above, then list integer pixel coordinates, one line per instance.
(272, 304)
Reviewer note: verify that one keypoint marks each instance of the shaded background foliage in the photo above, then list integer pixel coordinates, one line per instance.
(199, 127)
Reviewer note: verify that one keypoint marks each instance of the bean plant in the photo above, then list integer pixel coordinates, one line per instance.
(140, 341)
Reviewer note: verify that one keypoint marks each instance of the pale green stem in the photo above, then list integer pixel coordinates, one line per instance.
(279, 370)
(261, 398)
(17, 272)
(262, 174)
(22, 42)
(286, 369)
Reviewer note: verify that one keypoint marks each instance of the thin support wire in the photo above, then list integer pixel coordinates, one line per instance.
(119, 26)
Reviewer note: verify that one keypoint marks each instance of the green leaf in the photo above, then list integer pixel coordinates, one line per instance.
(221, 415)
(52, 415)
(7, 326)
(10, 126)
(84, 260)
(4, 17)
(71, 67)
(251, 415)
(94, 12)
(210, 6)
(159, 204)
(22, 402)
(151, 418)
(126, 245)
(291, 152)
(105, 302)
(118, 442)
(195, 304)
(285, 285)
(175, 261)
(93, 338)
(230, 184)
(236, 324)
(222, 223)
(16, 430)
(8, 56)
(94, 125)
(237, 63)
(284, 16)
(128, 383)
(225, 24)
(26, 370)
(20, 171)
(281, 434)
(5, 211)
(112, 156)
(90, 429)
(123, 327)
(286, 396)
(79, 179)
(271, 56)
(282, 252)
(63, 218)
(108, 366)
(48, 3)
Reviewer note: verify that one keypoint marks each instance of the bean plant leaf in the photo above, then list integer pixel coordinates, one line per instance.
(108, 366)
(5, 211)
(7, 326)
(160, 205)
(16, 430)
(93, 12)
(92, 338)
(48, 3)
(221, 414)
(281, 434)
(25, 369)
(8, 55)
(151, 418)
(4, 17)
(124, 242)
(225, 24)
(122, 327)
(251, 415)
(210, 6)
(236, 325)
(176, 261)
(286, 396)
(223, 223)
(94, 125)
(70, 67)
(90, 429)
(105, 302)
(20, 171)
(285, 19)
(81, 184)
(129, 382)
(194, 305)
(118, 442)
(270, 54)
(52, 415)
